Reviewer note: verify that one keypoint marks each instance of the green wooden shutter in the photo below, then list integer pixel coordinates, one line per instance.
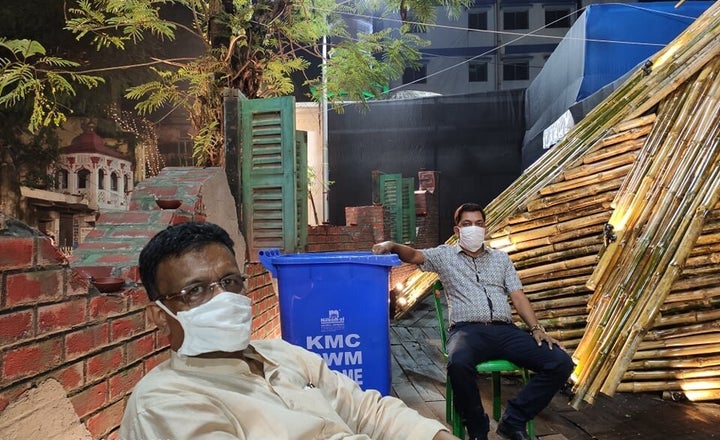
(408, 210)
(397, 195)
(391, 199)
(301, 191)
(269, 187)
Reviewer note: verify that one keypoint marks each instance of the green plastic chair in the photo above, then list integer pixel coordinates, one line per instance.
(493, 367)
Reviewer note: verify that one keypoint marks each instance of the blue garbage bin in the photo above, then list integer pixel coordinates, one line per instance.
(336, 304)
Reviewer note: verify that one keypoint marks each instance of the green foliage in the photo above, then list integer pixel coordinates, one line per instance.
(251, 45)
(112, 23)
(27, 73)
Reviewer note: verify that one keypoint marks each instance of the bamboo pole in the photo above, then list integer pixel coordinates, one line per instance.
(695, 395)
(683, 330)
(685, 236)
(689, 384)
(676, 363)
(586, 178)
(694, 373)
(582, 272)
(612, 351)
(628, 146)
(709, 338)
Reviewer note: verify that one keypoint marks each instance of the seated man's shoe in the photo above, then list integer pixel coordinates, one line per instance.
(478, 428)
(511, 432)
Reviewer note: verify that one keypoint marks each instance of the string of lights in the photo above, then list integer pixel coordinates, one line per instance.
(147, 152)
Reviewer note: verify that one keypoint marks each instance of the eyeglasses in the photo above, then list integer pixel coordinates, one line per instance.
(200, 293)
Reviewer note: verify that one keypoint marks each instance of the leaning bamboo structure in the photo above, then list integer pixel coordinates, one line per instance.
(615, 232)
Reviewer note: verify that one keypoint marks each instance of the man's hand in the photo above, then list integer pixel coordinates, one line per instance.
(540, 336)
(383, 248)
(405, 253)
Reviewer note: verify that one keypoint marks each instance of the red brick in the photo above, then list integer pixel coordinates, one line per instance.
(131, 273)
(117, 258)
(124, 382)
(115, 435)
(138, 298)
(126, 326)
(154, 361)
(86, 341)
(162, 340)
(140, 347)
(71, 377)
(102, 306)
(129, 217)
(33, 287)
(16, 253)
(31, 359)
(16, 326)
(90, 399)
(95, 234)
(48, 254)
(105, 246)
(106, 420)
(62, 316)
(77, 283)
(104, 363)
(9, 395)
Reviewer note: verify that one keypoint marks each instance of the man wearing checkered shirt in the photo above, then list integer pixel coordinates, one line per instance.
(478, 281)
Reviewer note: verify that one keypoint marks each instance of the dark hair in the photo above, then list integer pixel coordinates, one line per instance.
(468, 207)
(174, 242)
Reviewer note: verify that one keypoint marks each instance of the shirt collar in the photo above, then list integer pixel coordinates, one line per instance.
(251, 352)
(458, 250)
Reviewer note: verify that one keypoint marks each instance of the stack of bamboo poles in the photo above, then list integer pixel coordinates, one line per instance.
(555, 242)
(615, 231)
(659, 214)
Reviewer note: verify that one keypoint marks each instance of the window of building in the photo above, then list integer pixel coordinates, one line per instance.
(516, 20)
(61, 179)
(477, 20)
(415, 76)
(113, 181)
(126, 183)
(477, 71)
(557, 18)
(83, 178)
(516, 71)
(101, 179)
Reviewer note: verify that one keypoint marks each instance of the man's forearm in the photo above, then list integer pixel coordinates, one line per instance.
(406, 253)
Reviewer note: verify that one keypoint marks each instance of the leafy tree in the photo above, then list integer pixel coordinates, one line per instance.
(251, 45)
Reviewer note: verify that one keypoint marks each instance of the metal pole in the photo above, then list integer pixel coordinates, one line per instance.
(326, 162)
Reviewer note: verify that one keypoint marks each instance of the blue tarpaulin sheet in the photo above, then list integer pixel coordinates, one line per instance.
(605, 43)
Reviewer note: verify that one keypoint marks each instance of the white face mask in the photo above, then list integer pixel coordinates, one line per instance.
(472, 237)
(221, 324)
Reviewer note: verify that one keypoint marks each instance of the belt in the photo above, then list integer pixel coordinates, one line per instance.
(464, 323)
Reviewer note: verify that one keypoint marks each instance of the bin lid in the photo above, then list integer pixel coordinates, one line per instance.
(272, 257)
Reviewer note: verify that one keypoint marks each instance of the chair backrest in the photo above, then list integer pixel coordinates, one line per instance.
(437, 287)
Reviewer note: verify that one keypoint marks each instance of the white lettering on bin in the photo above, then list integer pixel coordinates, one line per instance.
(343, 358)
(332, 341)
(354, 374)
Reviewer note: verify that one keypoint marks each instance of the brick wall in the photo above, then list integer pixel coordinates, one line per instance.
(365, 226)
(55, 324)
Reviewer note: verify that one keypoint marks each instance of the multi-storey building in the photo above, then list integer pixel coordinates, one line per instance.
(494, 45)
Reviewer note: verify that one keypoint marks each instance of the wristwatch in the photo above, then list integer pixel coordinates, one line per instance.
(537, 327)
